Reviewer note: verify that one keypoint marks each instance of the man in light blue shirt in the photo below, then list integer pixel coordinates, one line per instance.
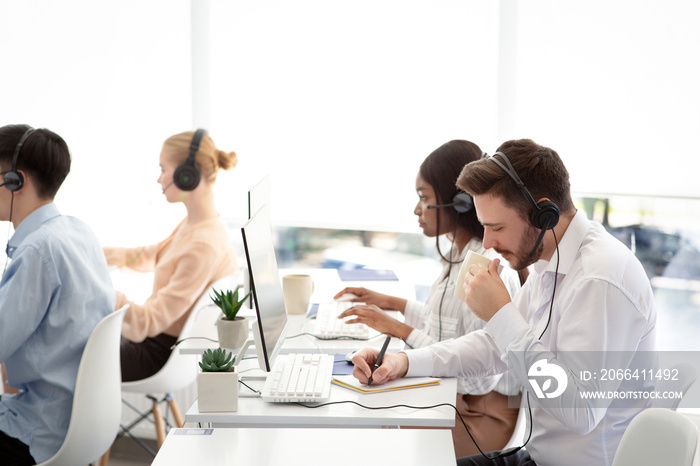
(53, 292)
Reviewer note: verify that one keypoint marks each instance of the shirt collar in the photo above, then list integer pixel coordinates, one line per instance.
(29, 224)
(569, 244)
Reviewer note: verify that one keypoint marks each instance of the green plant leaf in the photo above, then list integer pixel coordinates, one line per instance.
(218, 360)
(228, 302)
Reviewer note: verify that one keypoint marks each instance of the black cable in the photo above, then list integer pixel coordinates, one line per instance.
(554, 290)
(549, 318)
(9, 225)
(192, 338)
(249, 387)
(502, 454)
(447, 278)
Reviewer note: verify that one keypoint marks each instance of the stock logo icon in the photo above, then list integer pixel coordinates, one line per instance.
(547, 372)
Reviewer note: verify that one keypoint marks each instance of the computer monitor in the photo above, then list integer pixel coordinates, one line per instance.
(259, 196)
(265, 286)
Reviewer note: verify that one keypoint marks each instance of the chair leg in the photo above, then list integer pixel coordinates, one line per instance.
(160, 425)
(177, 416)
(104, 459)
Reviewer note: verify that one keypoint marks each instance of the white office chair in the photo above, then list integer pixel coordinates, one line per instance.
(518, 436)
(96, 411)
(179, 371)
(686, 376)
(658, 436)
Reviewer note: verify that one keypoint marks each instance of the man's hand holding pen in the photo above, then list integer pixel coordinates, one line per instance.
(393, 365)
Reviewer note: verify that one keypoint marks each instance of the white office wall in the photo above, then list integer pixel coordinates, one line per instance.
(114, 80)
(340, 101)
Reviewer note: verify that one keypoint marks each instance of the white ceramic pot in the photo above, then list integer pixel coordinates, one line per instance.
(232, 333)
(217, 391)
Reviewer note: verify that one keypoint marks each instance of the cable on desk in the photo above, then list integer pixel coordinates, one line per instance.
(250, 388)
(501, 454)
(192, 338)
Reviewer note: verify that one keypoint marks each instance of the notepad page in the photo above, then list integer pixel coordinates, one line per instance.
(348, 381)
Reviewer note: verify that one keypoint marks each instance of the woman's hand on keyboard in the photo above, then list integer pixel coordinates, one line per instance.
(394, 365)
(383, 301)
(375, 318)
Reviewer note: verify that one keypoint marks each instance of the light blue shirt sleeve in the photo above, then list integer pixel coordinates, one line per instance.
(21, 311)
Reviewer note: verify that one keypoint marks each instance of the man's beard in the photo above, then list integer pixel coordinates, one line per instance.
(522, 258)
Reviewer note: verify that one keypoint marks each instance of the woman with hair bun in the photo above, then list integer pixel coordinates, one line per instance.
(195, 255)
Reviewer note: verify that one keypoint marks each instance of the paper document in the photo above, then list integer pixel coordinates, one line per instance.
(348, 381)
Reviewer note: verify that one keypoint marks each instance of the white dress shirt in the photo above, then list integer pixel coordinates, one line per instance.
(443, 316)
(603, 315)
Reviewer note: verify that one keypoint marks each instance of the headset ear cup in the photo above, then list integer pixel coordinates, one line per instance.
(187, 176)
(462, 202)
(546, 215)
(13, 181)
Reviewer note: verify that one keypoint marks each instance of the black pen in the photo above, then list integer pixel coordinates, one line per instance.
(379, 358)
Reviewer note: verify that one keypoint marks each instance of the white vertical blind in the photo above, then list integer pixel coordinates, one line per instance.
(614, 87)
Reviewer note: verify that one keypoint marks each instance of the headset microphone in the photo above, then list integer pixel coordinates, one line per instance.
(462, 202)
(539, 239)
(167, 186)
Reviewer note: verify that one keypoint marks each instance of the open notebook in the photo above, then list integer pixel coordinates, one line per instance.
(348, 381)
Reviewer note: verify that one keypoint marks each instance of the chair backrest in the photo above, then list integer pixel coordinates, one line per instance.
(686, 376)
(517, 438)
(97, 406)
(658, 436)
(180, 370)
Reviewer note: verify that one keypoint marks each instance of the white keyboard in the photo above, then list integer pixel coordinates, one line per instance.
(299, 378)
(327, 324)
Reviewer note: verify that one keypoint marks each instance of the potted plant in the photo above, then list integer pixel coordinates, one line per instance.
(217, 383)
(231, 328)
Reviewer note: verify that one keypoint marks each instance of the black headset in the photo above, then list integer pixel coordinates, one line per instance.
(188, 174)
(462, 202)
(13, 179)
(545, 214)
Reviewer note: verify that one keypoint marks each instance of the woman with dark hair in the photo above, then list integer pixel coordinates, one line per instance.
(445, 210)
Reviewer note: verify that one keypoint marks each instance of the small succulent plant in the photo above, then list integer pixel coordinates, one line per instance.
(218, 360)
(228, 302)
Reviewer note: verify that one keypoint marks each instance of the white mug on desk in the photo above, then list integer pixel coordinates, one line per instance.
(297, 293)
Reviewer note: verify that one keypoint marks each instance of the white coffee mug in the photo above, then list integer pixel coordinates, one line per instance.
(471, 258)
(297, 293)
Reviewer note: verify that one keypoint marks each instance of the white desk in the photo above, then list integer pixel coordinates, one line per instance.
(254, 412)
(327, 284)
(297, 338)
(306, 447)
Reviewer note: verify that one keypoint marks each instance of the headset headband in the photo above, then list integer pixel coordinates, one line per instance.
(196, 141)
(511, 171)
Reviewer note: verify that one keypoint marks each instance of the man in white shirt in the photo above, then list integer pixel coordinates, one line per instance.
(587, 308)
